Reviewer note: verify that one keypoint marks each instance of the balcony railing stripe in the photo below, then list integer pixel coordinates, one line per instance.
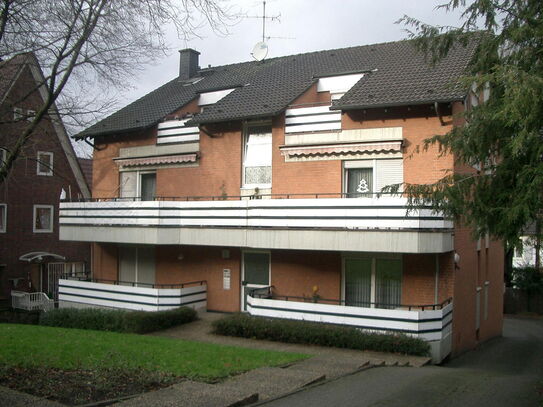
(130, 297)
(306, 213)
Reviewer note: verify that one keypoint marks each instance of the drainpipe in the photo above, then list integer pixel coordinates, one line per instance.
(436, 288)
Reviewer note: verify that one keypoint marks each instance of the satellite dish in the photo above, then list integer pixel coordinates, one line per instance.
(260, 50)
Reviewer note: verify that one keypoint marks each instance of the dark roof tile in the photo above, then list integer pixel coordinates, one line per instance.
(399, 75)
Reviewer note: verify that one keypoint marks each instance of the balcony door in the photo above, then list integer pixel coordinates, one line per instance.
(255, 273)
(372, 282)
(137, 265)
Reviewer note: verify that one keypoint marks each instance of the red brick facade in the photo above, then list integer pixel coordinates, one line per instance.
(24, 188)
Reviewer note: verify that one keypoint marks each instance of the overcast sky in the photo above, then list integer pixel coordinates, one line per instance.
(313, 24)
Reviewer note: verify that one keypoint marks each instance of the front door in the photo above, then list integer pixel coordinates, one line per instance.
(255, 274)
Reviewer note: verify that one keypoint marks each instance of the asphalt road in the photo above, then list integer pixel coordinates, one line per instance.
(502, 372)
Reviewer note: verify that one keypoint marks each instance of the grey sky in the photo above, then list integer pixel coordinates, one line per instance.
(315, 25)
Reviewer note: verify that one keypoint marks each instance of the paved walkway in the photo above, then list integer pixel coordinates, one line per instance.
(264, 383)
(503, 372)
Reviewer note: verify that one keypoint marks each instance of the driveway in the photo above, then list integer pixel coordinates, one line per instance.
(502, 372)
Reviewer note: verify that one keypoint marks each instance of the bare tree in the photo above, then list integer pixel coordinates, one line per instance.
(96, 43)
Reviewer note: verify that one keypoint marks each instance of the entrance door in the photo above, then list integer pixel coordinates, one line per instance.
(255, 274)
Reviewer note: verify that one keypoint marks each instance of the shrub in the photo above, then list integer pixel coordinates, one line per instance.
(314, 333)
(528, 279)
(117, 320)
(17, 316)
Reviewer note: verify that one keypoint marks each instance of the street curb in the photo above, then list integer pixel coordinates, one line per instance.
(315, 384)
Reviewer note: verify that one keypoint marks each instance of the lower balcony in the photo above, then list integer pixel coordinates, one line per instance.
(131, 296)
(430, 322)
(323, 222)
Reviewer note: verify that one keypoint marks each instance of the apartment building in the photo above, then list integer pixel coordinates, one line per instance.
(256, 187)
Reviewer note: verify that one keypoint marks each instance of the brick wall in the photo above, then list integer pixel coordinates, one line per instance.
(24, 188)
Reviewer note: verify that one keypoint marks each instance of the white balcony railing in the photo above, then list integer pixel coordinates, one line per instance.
(117, 295)
(357, 213)
(357, 224)
(31, 301)
(432, 323)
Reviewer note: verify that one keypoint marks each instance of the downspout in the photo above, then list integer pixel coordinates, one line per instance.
(93, 145)
(436, 108)
(436, 287)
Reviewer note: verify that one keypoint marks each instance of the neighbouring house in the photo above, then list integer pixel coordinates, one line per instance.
(255, 187)
(32, 258)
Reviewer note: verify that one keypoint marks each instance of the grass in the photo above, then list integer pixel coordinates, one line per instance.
(29, 346)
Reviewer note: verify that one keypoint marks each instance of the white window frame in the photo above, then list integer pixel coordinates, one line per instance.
(17, 113)
(30, 115)
(3, 156)
(246, 129)
(357, 164)
(39, 161)
(374, 258)
(4, 215)
(52, 221)
(139, 173)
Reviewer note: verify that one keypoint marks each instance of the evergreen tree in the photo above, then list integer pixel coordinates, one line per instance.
(497, 184)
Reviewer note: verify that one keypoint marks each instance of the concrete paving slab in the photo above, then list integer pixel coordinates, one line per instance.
(14, 398)
(193, 394)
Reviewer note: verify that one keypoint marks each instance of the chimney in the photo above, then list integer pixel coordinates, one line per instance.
(188, 63)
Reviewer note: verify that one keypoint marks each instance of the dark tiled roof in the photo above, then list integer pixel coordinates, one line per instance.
(400, 75)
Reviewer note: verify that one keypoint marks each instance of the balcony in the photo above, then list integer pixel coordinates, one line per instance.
(432, 323)
(127, 295)
(301, 222)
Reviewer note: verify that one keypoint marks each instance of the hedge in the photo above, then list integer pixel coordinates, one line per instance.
(17, 316)
(117, 320)
(314, 333)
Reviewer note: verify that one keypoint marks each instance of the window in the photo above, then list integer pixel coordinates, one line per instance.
(30, 115)
(359, 182)
(137, 265)
(257, 157)
(45, 163)
(43, 219)
(3, 217)
(3, 156)
(138, 184)
(17, 113)
(375, 282)
(364, 178)
(148, 186)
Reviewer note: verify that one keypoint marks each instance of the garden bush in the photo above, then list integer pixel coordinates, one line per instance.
(117, 320)
(314, 333)
(17, 316)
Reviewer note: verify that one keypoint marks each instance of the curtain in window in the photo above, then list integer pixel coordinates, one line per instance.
(258, 156)
(358, 282)
(43, 218)
(388, 283)
(359, 182)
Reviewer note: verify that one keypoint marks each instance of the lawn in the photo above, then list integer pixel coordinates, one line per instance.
(31, 346)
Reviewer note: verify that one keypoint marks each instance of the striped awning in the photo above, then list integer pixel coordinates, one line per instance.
(338, 149)
(162, 160)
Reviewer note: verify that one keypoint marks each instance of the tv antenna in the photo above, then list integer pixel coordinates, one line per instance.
(260, 50)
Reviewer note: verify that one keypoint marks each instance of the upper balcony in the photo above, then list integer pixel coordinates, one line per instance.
(301, 222)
